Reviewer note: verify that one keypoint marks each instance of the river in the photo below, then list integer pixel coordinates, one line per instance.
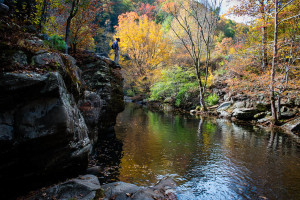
(208, 158)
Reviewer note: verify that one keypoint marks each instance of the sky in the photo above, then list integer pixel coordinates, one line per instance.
(230, 3)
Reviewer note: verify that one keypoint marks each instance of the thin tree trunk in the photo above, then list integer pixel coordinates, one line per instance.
(43, 17)
(72, 14)
(264, 47)
(264, 35)
(67, 33)
(202, 102)
(278, 106)
(274, 60)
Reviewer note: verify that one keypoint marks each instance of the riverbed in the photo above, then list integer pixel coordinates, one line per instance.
(209, 158)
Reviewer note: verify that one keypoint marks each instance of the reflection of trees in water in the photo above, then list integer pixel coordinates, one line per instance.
(244, 160)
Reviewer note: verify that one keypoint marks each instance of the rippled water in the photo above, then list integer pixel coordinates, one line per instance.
(208, 158)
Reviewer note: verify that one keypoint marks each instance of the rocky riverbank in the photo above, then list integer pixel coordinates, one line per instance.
(236, 106)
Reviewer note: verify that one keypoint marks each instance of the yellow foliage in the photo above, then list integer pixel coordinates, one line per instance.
(144, 42)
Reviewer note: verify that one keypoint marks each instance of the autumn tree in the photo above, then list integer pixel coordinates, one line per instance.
(279, 7)
(256, 9)
(144, 43)
(84, 27)
(194, 24)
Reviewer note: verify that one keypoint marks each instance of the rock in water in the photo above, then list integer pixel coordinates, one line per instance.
(85, 187)
(224, 106)
(244, 113)
(293, 126)
(42, 133)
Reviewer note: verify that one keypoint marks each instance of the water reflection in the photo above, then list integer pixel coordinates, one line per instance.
(208, 158)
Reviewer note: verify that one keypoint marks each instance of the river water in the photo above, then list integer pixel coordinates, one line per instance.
(208, 158)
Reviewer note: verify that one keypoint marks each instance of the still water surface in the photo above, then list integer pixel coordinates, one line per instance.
(208, 158)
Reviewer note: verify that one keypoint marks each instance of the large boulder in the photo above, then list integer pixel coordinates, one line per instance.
(42, 132)
(85, 187)
(91, 105)
(102, 76)
(244, 113)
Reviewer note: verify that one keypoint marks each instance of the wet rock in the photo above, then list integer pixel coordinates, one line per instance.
(260, 115)
(85, 187)
(293, 126)
(224, 106)
(193, 111)
(43, 133)
(244, 113)
(287, 115)
(284, 109)
(225, 114)
(266, 120)
(165, 189)
(119, 190)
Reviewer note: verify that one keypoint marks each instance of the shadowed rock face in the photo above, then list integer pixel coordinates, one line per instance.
(42, 132)
(103, 77)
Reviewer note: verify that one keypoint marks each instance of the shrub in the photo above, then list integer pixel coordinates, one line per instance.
(130, 93)
(212, 99)
(57, 42)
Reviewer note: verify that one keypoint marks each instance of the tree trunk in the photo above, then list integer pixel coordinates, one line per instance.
(43, 17)
(278, 107)
(264, 47)
(264, 36)
(72, 14)
(67, 33)
(274, 60)
(202, 102)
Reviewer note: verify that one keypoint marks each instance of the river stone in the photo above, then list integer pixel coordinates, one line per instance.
(42, 131)
(81, 188)
(244, 113)
(260, 115)
(262, 107)
(284, 109)
(165, 189)
(224, 106)
(119, 190)
(239, 104)
(293, 126)
(224, 114)
(227, 96)
(287, 115)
